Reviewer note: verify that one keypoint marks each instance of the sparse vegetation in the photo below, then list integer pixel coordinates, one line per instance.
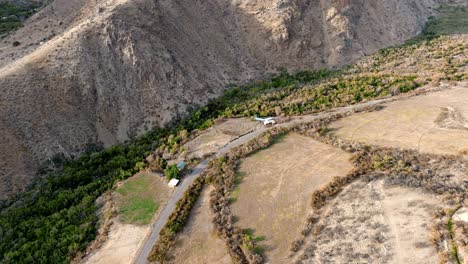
(453, 19)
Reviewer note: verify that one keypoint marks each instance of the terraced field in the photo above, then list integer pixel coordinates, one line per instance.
(433, 123)
(273, 196)
(198, 243)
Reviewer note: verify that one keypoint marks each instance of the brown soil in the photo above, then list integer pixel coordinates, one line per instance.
(432, 123)
(374, 223)
(121, 246)
(198, 243)
(209, 141)
(274, 194)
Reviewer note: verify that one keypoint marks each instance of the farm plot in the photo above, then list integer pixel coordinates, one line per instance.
(140, 197)
(210, 140)
(374, 223)
(433, 123)
(272, 198)
(138, 200)
(198, 243)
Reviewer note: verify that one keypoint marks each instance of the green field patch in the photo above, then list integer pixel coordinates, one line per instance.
(136, 201)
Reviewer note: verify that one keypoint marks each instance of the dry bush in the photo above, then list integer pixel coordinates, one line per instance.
(461, 239)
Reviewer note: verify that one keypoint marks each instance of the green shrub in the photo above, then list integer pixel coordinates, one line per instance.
(172, 172)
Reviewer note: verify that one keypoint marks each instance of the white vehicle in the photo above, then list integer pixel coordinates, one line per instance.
(269, 121)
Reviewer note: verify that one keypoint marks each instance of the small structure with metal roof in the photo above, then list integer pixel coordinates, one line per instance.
(173, 183)
(181, 165)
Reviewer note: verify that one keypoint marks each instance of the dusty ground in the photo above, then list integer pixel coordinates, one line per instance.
(274, 193)
(124, 239)
(432, 123)
(121, 245)
(210, 140)
(198, 243)
(374, 223)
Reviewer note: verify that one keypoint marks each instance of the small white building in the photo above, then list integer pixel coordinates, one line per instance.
(173, 183)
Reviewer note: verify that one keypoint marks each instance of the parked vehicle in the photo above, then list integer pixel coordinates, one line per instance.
(268, 121)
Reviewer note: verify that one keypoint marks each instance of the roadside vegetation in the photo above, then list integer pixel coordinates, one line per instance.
(56, 218)
(13, 15)
(176, 222)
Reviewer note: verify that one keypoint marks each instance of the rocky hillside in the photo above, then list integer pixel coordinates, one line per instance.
(82, 72)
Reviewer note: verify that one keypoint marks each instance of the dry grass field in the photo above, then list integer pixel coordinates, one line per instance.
(374, 223)
(210, 140)
(198, 244)
(121, 245)
(433, 123)
(272, 198)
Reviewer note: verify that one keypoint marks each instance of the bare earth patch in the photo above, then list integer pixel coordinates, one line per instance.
(374, 223)
(127, 232)
(273, 197)
(210, 140)
(432, 123)
(198, 243)
(121, 245)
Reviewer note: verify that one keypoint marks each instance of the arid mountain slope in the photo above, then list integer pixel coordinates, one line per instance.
(91, 71)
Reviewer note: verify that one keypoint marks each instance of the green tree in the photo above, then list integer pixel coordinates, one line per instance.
(172, 172)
